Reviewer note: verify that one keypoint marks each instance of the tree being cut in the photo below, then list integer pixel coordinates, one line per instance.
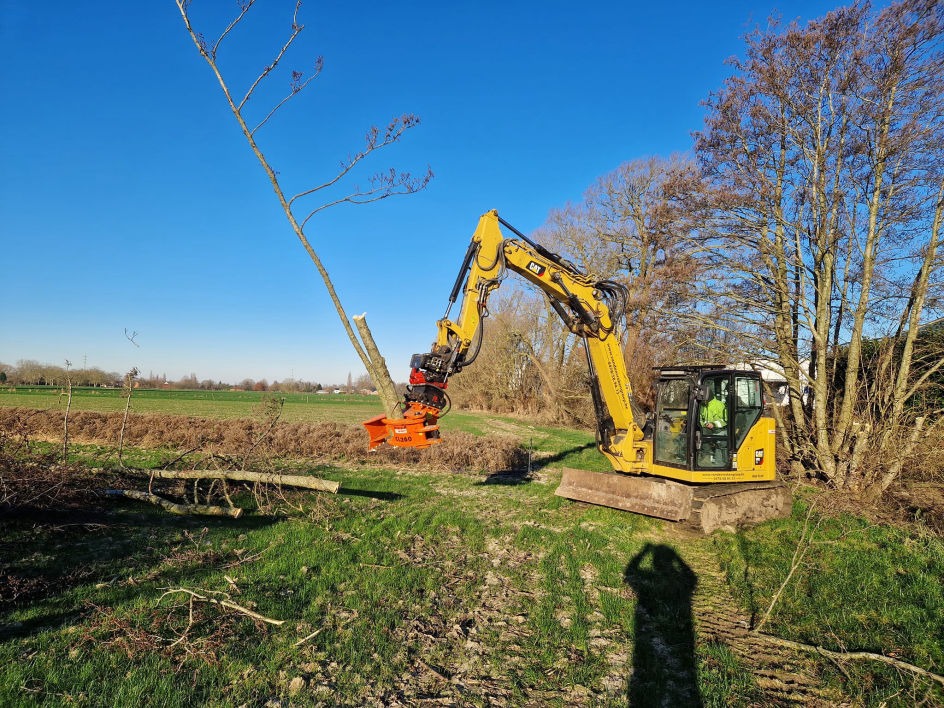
(306, 203)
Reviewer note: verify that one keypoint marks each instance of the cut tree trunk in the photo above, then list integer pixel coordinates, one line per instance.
(379, 373)
(285, 480)
(173, 507)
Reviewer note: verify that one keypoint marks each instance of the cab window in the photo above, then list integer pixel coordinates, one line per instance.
(671, 425)
(748, 406)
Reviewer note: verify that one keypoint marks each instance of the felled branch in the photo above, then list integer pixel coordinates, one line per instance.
(803, 545)
(285, 480)
(175, 508)
(850, 655)
(222, 603)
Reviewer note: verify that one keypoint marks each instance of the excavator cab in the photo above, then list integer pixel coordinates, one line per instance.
(703, 417)
(713, 455)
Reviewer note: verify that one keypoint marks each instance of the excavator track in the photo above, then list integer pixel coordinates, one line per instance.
(704, 508)
(739, 504)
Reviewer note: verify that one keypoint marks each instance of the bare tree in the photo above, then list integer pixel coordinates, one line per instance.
(130, 380)
(642, 225)
(299, 208)
(65, 418)
(512, 370)
(649, 216)
(826, 148)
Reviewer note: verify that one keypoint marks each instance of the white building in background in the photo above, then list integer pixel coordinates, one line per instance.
(772, 374)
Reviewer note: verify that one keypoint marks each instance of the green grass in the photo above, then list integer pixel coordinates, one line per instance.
(408, 585)
(299, 407)
(727, 682)
(385, 572)
(859, 586)
(503, 587)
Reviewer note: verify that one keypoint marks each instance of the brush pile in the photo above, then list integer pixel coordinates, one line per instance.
(325, 442)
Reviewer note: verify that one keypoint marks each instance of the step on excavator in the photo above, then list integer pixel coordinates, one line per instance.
(704, 457)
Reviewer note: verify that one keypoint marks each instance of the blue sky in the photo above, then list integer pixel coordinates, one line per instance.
(129, 200)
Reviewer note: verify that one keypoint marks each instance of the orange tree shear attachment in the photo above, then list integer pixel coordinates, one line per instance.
(417, 428)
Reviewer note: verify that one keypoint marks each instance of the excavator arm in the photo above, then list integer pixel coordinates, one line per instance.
(589, 308)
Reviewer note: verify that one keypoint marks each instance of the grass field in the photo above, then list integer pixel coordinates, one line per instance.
(299, 407)
(409, 587)
(576, 445)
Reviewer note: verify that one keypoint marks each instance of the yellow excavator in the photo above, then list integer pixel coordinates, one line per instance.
(706, 455)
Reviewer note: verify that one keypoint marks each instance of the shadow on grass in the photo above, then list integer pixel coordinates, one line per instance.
(382, 496)
(507, 478)
(665, 671)
(561, 456)
(42, 623)
(46, 554)
(524, 476)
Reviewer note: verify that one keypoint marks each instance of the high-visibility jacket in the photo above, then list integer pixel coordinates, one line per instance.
(715, 412)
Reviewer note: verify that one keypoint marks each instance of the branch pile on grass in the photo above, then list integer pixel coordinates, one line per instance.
(223, 445)
(234, 512)
(41, 482)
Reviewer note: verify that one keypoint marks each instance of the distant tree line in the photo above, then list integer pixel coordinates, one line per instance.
(28, 372)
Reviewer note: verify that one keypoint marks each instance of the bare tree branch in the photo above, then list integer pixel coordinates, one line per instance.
(384, 183)
(224, 602)
(296, 30)
(244, 8)
(803, 545)
(393, 133)
(853, 655)
(296, 88)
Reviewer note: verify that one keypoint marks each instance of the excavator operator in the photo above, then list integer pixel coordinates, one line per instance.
(714, 414)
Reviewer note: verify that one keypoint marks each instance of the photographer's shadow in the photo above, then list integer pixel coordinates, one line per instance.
(665, 672)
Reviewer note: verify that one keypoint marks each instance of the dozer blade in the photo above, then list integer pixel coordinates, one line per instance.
(705, 507)
(643, 495)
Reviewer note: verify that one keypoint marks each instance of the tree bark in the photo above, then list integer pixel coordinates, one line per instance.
(285, 480)
(173, 507)
(377, 370)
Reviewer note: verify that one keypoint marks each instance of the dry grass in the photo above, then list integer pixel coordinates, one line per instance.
(459, 452)
(926, 463)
